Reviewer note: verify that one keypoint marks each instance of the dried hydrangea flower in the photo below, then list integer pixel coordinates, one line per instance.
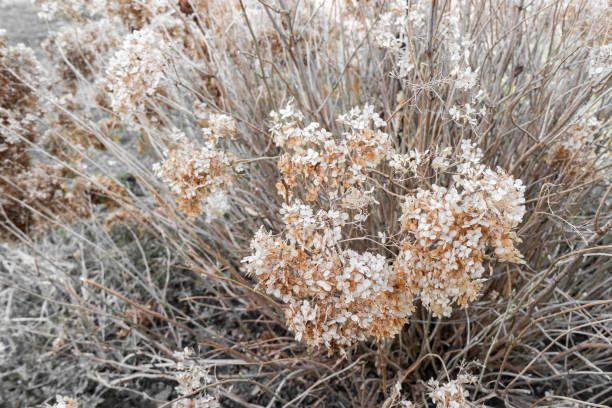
(64, 402)
(318, 161)
(193, 173)
(81, 48)
(450, 230)
(336, 295)
(576, 150)
(135, 72)
(192, 376)
(333, 298)
(452, 394)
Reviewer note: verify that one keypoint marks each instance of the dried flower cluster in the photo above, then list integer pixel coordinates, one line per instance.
(199, 176)
(136, 14)
(73, 9)
(448, 395)
(32, 195)
(64, 402)
(576, 150)
(135, 72)
(20, 76)
(402, 31)
(315, 161)
(28, 194)
(191, 376)
(336, 295)
(81, 49)
(451, 228)
(452, 394)
(32, 199)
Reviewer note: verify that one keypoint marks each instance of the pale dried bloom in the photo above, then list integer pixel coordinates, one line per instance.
(403, 29)
(20, 75)
(390, 31)
(452, 394)
(355, 199)
(466, 114)
(227, 22)
(219, 124)
(64, 402)
(334, 298)
(448, 395)
(32, 199)
(407, 162)
(222, 124)
(600, 64)
(318, 161)
(135, 72)
(441, 161)
(335, 295)
(191, 376)
(193, 173)
(465, 79)
(451, 228)
(82, 47)
(575, 152)
(137, 14)
(361, 119)
(217, 204)
(74, 9)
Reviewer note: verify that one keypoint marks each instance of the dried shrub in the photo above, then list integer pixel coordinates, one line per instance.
(459, 216)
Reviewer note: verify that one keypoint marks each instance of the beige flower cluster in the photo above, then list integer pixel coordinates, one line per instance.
(64, 402)
(31, 198)
(576, 151)
(402, 30)
(81, 49)
(338, 291)
(191, 376)
(199, 176)
(316, 161)
(28, 194)
(452, 394)
(446, 395)
(35, 195)
(20, 75)
(135, 72)
(451, 228)
(334, 297)
(74, 9)
(217, 124)
(137, 14)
